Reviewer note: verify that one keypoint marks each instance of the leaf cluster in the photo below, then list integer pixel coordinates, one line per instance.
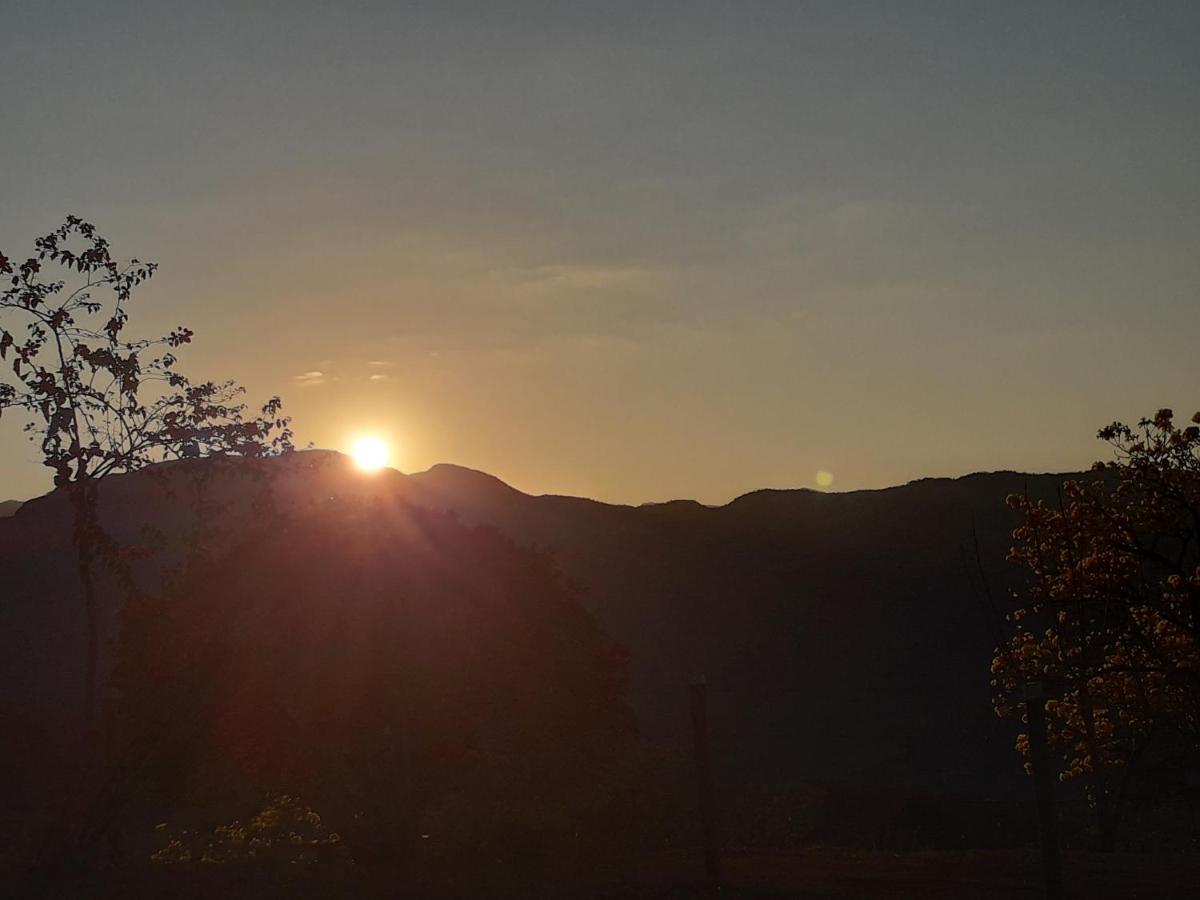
(1107, 619)
(98, 400)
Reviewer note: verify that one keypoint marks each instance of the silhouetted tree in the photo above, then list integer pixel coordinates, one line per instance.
(101, 402)
(401, 672)
(1108, 619)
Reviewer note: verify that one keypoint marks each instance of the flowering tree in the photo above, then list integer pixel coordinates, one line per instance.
(100, 402)
(1107, 622)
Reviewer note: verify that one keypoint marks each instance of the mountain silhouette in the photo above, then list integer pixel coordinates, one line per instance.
(844, 637)
(8, 507)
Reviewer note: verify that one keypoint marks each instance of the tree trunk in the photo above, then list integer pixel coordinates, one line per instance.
(83, 499)
(1105, 818)
(89, 608)
(1043, 783)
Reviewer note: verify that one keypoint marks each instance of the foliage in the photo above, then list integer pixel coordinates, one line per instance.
(284, 830)
(100, 401)
(1107, 621)
(390, 664)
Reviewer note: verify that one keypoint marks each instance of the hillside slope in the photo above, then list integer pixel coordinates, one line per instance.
(844, 637)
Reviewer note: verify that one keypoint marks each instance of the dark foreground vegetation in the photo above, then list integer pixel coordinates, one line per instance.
(236, 669)
(318, 681)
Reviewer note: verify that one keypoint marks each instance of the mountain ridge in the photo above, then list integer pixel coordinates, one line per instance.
(844, 636)
(444, 470)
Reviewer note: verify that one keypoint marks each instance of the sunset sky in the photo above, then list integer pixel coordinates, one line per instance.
(639, 251)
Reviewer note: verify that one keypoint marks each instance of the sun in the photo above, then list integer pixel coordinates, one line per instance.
(370, 453)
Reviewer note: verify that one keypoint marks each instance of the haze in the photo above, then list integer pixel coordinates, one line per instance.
(637, 253)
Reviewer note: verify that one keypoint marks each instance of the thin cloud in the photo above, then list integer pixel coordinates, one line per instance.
(578, 278)
(310, 378)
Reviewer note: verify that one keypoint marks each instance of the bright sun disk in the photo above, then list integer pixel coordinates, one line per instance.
(370, 453)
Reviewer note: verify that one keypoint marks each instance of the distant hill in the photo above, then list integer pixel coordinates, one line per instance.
(845, 637)
(8, 507)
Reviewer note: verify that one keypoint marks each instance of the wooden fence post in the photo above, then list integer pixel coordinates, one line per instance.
(708, 828)
(1043, 783)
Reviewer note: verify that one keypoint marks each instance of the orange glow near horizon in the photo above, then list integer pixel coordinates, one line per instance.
(370, 453)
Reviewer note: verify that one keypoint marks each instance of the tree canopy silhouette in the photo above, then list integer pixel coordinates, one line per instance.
(402, 672)
(101, 402)
(1107, 621)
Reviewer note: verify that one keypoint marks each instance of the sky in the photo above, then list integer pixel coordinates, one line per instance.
(639, 251)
